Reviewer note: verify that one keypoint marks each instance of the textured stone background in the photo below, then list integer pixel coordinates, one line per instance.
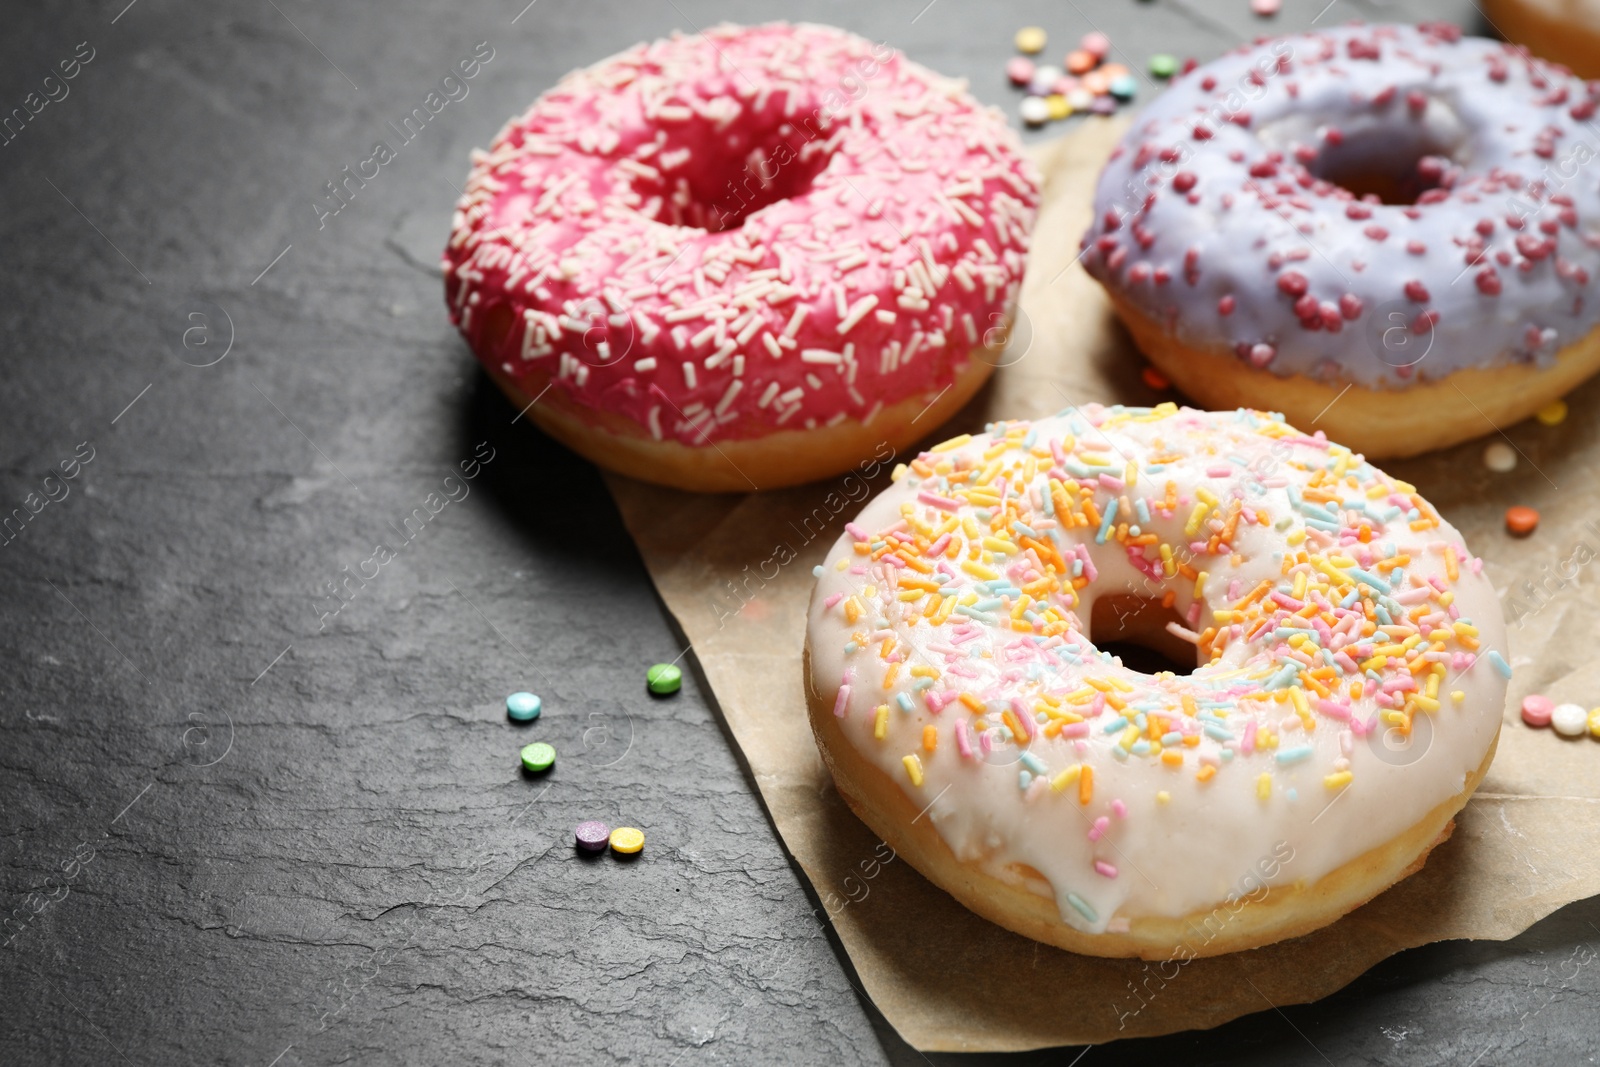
(231, 835)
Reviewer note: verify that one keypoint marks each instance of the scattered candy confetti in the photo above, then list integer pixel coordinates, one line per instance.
(1499, 457)
(626, 840)
(592, 836)
(1520, 521)
(1088, 83)
(1031, 39)
(538, 756)
(1536, 709)
(523, 707)
(1154, 378)
(1553, 413)
(1569, 720)
(1163, 65)
(664, 679)
(1266, 8)
(1034, 111)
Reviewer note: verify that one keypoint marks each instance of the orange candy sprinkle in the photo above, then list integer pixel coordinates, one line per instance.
(1520, 521)
(1081, 62)
(1154, 378)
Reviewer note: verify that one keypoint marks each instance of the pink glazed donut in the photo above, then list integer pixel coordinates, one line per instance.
(743, 259)
(1387, 233)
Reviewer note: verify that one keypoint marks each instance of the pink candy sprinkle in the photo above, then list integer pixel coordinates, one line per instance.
(1102, 867)
(1266, 8)
(1020, 70)
(1536, 709)
(1096, 44)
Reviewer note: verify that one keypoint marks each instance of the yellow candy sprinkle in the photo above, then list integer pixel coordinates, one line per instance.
(1030, 40)
(1264, 786)
(626, 840)
(913, 769)
(1458, 695)
(1553, 413)
(1163, 797)
(880, 725)
(1594, 722)
(1337, 781)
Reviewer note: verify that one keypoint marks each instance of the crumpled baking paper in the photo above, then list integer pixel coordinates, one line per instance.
(736, 573)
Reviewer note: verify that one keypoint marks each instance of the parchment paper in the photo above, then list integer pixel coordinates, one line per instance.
(1527, 843)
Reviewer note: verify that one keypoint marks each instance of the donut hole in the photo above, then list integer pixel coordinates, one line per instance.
(720, 177)
(1134, 629)
(1382, 165)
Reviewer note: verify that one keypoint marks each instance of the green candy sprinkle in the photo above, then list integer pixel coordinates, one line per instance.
(538, 756)
(523, 707)
(664, 678)
(1163, 65)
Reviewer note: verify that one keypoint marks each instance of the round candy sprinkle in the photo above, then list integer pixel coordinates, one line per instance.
(1154, 378)
(1123, 86)
(1096, 44)
(592, 835)
(664, 678)
(1081, 62)
(1499, 457)
(1115, 70)
(1059, 108)
(1266, 8)
(1163, 65)
(1080, 99)
(538, 756)
(1569, 720)
(1536, 709)
(1553, 413)
(1030, 39)
(1044, 80)
(1034, 111)
(1020, 70)
(523, 707)
(1097, 83)
(1064, 85)
(1520, 521)
(626, 840)
(1594, 721)
(1103, 105)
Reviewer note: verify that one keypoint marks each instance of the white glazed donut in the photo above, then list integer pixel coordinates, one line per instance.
(1347, 702)
(1396, 210)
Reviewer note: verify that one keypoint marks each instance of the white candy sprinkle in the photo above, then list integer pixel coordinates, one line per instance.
(1499, 457)
(1569, 720)
(1034, 110)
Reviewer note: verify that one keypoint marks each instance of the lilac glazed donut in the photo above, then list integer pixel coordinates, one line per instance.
(1386, 231)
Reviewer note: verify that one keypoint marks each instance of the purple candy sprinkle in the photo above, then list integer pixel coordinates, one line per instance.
(592, 836)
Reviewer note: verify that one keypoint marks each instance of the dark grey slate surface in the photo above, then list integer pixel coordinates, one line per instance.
(235, 831)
